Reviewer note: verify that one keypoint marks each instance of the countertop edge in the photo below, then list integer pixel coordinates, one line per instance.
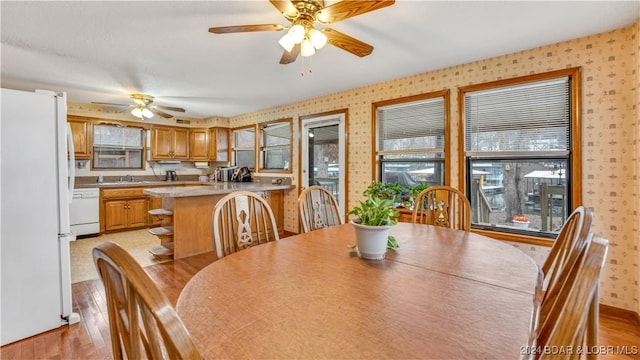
(205, 189)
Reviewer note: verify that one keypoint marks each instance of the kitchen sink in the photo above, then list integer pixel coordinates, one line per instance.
(129, 182)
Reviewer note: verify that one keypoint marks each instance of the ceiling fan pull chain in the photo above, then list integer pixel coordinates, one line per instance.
(305, 61)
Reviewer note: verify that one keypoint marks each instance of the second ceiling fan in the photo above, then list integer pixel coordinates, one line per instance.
(143, 107)
(302, 38)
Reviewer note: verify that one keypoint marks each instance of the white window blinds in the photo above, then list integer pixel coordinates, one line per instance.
(411, 126)
(530, 117)
(118, 137)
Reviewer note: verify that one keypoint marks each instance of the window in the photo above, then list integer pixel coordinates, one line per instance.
(244, 147)
(275, 150)
(117, 147)
(521, 152)
(411, 139)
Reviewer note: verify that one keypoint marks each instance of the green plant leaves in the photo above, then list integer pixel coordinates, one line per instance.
(376, 212)
(392, 243)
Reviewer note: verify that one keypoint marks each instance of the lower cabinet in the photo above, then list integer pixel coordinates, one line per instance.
(275, 199)
(126, 214)
(124, 209)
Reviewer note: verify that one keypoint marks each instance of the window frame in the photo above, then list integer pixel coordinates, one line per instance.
(95, 153)
(234, 149)
(264, 149)
(377, 162)
(574, 157)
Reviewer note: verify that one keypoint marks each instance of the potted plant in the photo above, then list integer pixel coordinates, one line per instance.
(375, 218)
(521, 221)
(402, 195)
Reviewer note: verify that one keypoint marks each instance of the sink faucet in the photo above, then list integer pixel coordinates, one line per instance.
(123, 178)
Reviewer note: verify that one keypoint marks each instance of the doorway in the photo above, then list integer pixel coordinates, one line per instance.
(323, 154)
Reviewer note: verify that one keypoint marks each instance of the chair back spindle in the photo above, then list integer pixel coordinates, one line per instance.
(442, 206)
(240, 220)
(318, 209)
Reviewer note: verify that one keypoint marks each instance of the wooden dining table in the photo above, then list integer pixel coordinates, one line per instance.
(443, 294)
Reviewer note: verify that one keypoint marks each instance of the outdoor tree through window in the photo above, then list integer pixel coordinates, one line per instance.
(521, 158)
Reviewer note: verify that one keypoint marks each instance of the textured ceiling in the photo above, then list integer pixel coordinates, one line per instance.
(102, 51)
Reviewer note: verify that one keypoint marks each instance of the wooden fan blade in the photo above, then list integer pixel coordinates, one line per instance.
(289, 57)
(286, 8)
(109, 104)
(245, 28)
(169, 108)
(347, 9)
(347, 43)
(162, 113)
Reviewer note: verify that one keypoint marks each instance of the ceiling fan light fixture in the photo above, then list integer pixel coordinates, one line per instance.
(297, 33)
(137, 112)
(306, 48)
(147, 113)
(318, 39)
(287, 42)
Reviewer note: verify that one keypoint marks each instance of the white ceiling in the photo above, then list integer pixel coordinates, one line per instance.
(102, 51)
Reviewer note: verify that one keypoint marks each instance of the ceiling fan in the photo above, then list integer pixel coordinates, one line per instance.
(302, 37)
(143, 107)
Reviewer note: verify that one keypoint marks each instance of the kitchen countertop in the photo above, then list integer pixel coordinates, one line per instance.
(125, 184)
(209, 188)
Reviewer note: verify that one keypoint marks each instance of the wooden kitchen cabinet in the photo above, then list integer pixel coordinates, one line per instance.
(199, 144)
(123, 208)
(81, 132)
(169, 143)
(125, 214)
(275, 198)
(219, 144)
(209, 144)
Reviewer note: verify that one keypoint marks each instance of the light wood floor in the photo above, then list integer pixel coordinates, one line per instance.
(90, 338)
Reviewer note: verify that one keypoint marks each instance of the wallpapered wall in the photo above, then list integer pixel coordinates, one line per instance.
(610, 153)
(635, 48)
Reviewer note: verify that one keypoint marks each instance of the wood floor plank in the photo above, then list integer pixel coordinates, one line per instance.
(90, 338)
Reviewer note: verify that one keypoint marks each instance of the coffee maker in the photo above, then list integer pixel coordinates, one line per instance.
(171, 176)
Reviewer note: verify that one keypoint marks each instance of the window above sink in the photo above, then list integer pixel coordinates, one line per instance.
(117, 147)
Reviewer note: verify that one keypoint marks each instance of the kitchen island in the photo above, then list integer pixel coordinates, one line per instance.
(187, 211)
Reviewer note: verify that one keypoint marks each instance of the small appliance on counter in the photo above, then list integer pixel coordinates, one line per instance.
(241, 175)
(226, 173)
(171, 176)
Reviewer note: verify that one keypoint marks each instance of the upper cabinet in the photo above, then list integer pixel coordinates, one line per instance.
(209, 144)
(199, 145)
(219, 144)
(81, 131)
(169, 143)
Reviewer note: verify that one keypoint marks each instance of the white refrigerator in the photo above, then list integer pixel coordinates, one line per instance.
(36, 184)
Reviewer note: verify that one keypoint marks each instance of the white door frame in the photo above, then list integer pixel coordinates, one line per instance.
(311, 122)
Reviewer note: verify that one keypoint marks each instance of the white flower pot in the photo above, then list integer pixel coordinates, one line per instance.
(371, 240)
(521, 224)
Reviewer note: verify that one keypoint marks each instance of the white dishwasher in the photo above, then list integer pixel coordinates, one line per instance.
(84, 212)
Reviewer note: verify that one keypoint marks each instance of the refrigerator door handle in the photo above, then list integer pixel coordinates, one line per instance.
(66, 312)
(72, 162)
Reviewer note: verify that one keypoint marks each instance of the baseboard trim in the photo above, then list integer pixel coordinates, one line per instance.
(623, 314)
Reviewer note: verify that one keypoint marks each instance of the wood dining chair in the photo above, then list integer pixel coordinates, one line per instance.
(318, 209)
(142, 322)
(242, 219)
(442, 206)
(567, 317)
(573, 238)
